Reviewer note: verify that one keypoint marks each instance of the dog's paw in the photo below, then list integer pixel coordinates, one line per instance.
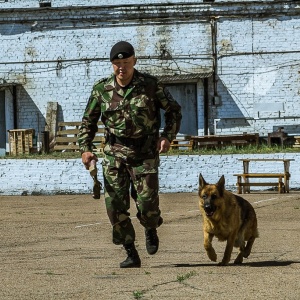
(238, 261)
(223, 263)
(246, 253)
(212, 255)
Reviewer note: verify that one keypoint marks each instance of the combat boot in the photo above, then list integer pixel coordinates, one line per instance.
(133, 260)
(152, 241)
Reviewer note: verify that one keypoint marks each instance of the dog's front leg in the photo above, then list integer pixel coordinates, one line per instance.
(228, 250)
(211, 253)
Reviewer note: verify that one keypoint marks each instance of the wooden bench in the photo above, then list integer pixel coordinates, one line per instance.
(243, 186)
(182, 144)
(66, 137)
(218, 141)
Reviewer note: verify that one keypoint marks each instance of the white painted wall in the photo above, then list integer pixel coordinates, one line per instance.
(258, 58)
(61, 3)
(177, 173)
(259, 64)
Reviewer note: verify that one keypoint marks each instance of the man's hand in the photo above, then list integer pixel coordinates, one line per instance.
(87, 157)
(163, 145)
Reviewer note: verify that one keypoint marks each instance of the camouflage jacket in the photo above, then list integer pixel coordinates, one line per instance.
(134, 113)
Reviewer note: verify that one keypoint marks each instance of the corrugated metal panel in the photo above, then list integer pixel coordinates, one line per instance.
(7, 83)
(186, 77)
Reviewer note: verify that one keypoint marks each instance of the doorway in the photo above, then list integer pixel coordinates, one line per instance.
(186, 96)
(2, 123)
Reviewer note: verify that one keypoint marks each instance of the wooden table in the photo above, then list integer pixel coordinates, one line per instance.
(217, 141)
(283, 186)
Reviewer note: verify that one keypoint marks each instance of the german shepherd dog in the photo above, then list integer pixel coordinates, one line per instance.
(228, 217)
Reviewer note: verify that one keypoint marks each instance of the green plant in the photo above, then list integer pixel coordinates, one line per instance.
(137, 294)
(181, 278)
(49, 273)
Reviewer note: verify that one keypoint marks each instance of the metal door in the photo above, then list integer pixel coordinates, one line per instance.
(2, 123)
(186, 96)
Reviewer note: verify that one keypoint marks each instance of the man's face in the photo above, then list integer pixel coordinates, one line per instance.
(124, 68)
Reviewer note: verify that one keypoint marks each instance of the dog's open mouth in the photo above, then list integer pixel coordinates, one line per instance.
(209, 210)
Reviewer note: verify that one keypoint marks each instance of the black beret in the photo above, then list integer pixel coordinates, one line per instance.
(121, 50)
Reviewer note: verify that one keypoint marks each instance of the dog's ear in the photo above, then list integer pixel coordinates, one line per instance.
(221, 181)
(221, 184)
(202, 182)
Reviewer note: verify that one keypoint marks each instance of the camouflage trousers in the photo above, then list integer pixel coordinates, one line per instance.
(137, 179)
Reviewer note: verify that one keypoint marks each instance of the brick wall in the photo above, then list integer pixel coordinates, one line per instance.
(59, 53)
(61, 3)
(176, 173)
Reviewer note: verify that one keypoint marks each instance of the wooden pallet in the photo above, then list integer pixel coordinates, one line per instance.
(66, 137)
(20, 141)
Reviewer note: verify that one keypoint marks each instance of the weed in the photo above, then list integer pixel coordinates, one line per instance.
(137, 294)
(181, 278)
(49, 273)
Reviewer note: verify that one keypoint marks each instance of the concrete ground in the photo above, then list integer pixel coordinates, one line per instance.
(59, 247)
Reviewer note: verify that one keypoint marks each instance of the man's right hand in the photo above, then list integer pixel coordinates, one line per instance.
(87, 157)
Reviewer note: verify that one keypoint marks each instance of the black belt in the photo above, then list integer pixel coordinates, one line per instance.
(128, 142)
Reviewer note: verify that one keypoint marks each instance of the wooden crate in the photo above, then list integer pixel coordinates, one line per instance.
(20, 141)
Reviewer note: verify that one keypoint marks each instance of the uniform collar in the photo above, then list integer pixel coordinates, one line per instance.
(138, 79)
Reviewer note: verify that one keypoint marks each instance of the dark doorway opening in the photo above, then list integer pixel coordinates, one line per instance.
(2, 121)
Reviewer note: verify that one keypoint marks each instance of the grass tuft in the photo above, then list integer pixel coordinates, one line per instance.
(181, 278)
(137, 294)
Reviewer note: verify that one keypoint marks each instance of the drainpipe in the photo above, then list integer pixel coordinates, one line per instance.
(213, 24)
(14, 95)
(205, 105)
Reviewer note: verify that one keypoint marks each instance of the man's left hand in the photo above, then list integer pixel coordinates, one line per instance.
(163, 145)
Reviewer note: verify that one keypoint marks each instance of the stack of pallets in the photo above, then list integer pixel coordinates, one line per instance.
(20, 141)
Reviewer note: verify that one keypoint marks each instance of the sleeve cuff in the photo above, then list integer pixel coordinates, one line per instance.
(86, 149)
(168, 136)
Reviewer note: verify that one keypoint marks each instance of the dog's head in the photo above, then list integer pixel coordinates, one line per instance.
(211, 195)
